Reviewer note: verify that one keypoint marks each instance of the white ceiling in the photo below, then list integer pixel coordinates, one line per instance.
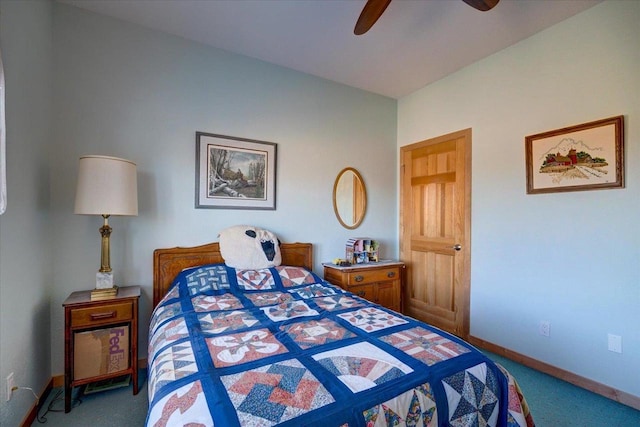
(414, 43)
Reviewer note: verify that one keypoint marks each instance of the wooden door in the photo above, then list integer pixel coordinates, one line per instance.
(435, 222)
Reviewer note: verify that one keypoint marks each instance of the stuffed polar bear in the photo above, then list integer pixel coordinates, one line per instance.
(249, 248)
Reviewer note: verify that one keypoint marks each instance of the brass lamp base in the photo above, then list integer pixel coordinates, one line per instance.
(104, 277)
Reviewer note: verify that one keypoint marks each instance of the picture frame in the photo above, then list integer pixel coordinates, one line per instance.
(235, 173)
(588, 156)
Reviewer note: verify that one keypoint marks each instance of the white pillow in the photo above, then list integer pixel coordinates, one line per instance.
(249, 248)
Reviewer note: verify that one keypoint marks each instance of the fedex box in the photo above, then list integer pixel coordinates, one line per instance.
(100, 352)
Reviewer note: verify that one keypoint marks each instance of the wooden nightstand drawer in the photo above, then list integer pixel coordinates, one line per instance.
(104, 313)
(373, 276)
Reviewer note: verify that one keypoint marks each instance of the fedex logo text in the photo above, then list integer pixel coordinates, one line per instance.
(116, 352)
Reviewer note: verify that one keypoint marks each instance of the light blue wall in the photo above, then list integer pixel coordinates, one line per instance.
(25, 232)
(125, 91)
(569, 258)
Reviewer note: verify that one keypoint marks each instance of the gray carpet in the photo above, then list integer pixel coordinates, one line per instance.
(557, 403)
(113, 408)
(553, 403)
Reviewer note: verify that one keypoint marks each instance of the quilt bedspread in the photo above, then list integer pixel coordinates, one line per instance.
(280, 346)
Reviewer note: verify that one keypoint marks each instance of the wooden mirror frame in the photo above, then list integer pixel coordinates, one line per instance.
(359, 199)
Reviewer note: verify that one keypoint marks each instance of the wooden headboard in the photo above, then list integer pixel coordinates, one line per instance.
(167, 263)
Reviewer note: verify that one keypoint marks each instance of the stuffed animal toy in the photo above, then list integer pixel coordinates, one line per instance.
(249, 248)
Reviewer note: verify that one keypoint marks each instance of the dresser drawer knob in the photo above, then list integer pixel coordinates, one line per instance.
(391, 274)
(361, 293)
(358, 278)
(102, 316)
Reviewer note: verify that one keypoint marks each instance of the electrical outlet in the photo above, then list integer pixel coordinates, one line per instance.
(545, 328)
(615, 343)
(10, 385)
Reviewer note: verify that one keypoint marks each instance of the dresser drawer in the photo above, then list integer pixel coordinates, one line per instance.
(372, 276)
(104, 313)
(365, 291)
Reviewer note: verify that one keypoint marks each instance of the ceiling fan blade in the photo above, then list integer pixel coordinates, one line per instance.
(482, 5)
(369, 15)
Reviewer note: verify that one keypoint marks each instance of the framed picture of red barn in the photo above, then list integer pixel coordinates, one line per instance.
(235, 173)
(589, 156)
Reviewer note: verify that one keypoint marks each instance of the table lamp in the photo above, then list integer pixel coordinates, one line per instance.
(106, 186)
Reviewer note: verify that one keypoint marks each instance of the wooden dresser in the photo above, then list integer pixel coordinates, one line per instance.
(380, 283)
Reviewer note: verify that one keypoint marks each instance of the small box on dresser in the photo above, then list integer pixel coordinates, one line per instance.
(362, 250)
(380, 282)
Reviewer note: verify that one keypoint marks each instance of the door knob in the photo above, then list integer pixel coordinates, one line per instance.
(456, 247)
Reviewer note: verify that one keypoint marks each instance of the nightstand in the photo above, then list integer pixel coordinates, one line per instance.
(100, 339)
(379, 282)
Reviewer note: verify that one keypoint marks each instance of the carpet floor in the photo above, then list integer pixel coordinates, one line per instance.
(553, 403)
(557, 403)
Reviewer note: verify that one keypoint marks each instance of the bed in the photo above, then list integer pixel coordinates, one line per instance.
(281, 346)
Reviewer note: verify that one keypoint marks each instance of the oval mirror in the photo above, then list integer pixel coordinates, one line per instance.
(349, 198)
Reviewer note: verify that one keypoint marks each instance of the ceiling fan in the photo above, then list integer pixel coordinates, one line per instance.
(375, 8)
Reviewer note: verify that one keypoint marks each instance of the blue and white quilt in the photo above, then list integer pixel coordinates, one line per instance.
(280, 346)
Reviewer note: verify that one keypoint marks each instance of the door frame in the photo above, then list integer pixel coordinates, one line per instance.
(463, 274)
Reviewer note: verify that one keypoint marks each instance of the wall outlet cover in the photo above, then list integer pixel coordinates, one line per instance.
(10, 385)
(615, 343)
(545, 328)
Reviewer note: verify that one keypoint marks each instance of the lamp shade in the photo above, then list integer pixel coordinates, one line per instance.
(106, 186)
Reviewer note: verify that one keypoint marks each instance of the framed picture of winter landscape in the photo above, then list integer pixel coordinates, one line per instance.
(235, 173)
(589, 156)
